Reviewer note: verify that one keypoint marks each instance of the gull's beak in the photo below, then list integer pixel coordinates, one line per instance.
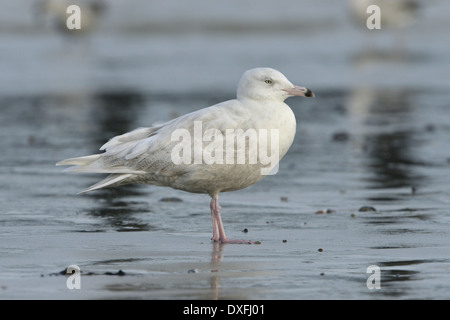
(300, 91)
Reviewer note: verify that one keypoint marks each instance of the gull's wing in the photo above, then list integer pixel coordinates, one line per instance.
(148, 150)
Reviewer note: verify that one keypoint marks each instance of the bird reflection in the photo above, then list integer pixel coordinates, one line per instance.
(382, 116)
(113, 114)
(216, 257)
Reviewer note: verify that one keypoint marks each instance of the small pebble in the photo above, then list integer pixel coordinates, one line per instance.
(118, 273)
(170, 199)
(340, 136)
(325, 211)
(430, 127)
(367, 209)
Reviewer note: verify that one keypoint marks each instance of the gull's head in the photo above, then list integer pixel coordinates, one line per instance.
(268, 84)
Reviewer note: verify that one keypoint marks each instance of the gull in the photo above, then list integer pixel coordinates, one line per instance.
(174, 155)
(56, 12)
(396, 15)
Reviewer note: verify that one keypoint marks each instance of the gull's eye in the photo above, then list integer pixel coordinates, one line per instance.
(268, 81)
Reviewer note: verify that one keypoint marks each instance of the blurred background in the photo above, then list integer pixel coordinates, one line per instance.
(199, 46)
(376, 135)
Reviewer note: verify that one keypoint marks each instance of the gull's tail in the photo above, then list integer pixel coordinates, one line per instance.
(93, 164)
(112, 180)
(82, 164)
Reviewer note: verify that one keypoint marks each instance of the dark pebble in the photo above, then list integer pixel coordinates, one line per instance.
(430, 127)
(108, 273)
(170, 199)
(340, 136)
(367, 209)
(118, 273)
(325, 211)
(63, 272)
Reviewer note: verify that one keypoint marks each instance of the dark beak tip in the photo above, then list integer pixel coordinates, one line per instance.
(309, 94)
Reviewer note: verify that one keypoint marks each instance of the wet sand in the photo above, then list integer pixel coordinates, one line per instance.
(315, 241)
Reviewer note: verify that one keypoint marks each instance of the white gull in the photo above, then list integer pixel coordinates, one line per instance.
(395, 14)
(146, 155)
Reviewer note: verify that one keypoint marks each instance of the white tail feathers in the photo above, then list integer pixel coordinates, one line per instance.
(120, 151)
(80, 161)
(111, 180)
(93, 164)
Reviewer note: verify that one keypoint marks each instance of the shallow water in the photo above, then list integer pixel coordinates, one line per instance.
(376, 135)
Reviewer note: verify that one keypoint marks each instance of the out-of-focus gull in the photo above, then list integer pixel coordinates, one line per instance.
(55, 11)
(394, 13)
(221, 148)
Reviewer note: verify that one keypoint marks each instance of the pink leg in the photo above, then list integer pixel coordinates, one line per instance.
(215, 236)
(218, 230)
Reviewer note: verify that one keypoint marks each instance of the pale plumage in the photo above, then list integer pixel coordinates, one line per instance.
(145, 155)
